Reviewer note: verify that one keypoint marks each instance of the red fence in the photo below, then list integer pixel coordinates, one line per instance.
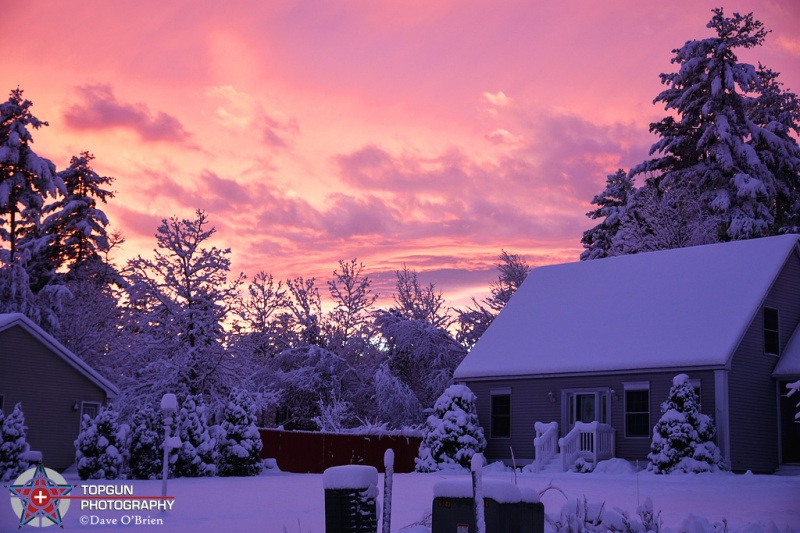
(309, 452)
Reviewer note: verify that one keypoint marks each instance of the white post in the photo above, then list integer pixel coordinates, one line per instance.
(388, 469)
(169, 404)
(477, 492)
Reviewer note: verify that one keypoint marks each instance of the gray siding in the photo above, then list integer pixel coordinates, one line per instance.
(530, 403)
(753, 398)
(48, 387)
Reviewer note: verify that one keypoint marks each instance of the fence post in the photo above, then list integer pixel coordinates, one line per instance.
(388, 472)
(477, 492)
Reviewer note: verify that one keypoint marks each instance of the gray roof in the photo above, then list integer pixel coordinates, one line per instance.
(685, 308)
(9, 320)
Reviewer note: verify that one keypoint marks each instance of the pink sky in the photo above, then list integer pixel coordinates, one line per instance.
(430, 133)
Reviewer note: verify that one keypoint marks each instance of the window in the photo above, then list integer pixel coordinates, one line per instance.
(637, 409)
(501, 414)
(1, 403)
(771, 331)
(90, 408)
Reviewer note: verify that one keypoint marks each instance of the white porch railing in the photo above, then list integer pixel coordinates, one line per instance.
(545, 443)
(594, 441)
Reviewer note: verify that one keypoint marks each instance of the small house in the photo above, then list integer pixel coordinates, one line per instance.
(54, 386)
(586, 352)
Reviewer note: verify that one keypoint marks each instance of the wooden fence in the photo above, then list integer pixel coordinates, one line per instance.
(311, 452)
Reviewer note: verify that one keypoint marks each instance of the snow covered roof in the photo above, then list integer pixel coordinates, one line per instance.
(8, 320)
(681, 308)
(789, 363)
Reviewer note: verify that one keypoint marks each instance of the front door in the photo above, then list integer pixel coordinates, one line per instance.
(585, 406)
(790, 428)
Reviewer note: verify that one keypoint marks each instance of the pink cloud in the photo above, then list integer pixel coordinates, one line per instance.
(99, 109)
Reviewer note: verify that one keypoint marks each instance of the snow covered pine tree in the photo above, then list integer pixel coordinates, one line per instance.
(97, 448)
(240, 447)
(683, 437)
(452, 433)
(197, 454)
(13, 444)
(146, 456)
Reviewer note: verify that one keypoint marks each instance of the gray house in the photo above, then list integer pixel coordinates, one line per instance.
(54, 386)
(589, 351)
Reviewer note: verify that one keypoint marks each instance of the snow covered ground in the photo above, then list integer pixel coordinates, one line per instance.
(277, 501)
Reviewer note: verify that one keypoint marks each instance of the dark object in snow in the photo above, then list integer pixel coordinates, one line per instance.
(350, 494)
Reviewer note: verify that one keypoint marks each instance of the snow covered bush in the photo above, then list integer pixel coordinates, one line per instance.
(452, 434)
(683, 437)
(146, 451)
(241, 444)
(97, 448)
(13, 444)
(197, 455)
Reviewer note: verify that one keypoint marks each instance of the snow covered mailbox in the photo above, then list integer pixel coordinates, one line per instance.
(350, 494)
(507, 508)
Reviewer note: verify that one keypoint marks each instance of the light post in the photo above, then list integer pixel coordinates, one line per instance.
(169, 405)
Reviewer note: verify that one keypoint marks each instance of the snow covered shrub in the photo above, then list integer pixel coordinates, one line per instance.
(683, 437)
(97, 448)
(197, 455)
(582, 466)
(146, 451)
(13, 444)
(241, 444)
(452, 434)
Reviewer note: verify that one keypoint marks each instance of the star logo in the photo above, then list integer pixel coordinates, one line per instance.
(39, 496)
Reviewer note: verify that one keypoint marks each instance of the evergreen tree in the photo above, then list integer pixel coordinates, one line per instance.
(240, 447)
(98, 446)
(716, 147)
(13, 444)
(452, 433)
(25, 178)
(74, 225)
(612, 203)
(197, 455)
(683, 437)
(146, 447)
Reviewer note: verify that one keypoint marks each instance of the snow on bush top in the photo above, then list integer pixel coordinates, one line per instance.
(350, 477)
(679, 380)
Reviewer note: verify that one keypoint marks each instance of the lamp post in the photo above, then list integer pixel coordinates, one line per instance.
(169, 404)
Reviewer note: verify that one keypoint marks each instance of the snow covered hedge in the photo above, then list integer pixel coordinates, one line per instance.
(452, 434)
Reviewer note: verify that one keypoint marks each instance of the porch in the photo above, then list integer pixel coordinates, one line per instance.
(590, 441)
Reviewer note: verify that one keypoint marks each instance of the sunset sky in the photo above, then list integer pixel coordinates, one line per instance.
(427, 133)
